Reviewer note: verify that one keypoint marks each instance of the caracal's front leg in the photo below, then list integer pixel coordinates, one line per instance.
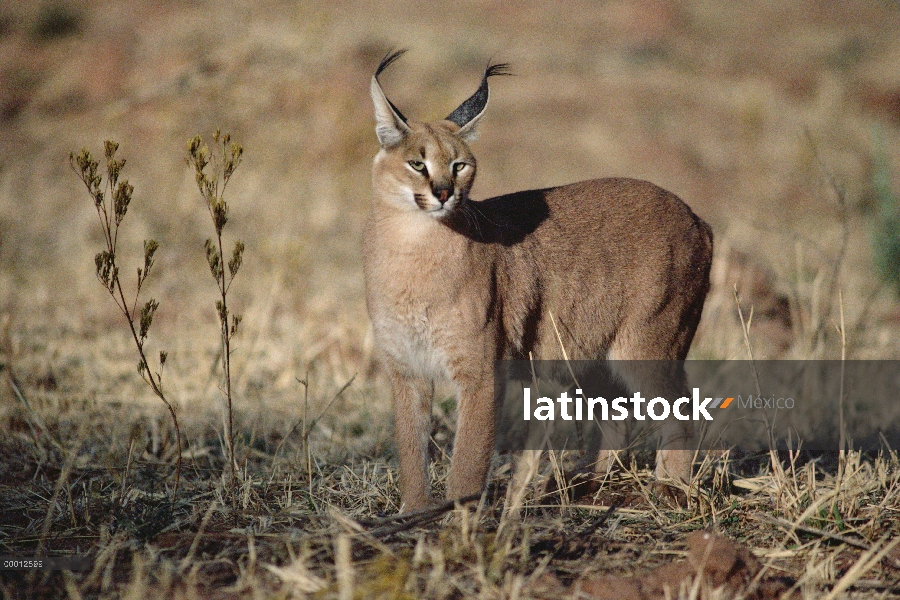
(675, 459)
(473, 446)
(412, 426)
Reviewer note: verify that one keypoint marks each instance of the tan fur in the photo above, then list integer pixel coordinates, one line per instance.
(621, 265)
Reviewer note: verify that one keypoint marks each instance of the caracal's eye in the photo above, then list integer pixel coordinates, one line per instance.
(459, 167)
(417, 165)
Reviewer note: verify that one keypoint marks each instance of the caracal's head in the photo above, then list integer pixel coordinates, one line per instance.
(423, 167)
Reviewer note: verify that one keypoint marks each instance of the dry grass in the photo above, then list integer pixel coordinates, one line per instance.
(768, 118)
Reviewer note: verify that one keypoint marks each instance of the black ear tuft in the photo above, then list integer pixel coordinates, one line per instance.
(475, 104)
(497, 70)
(388, 59)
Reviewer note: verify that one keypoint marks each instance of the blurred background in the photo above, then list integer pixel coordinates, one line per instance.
(778, 122)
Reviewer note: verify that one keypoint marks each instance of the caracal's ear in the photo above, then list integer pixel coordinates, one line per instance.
(390, 124)
(469, 112)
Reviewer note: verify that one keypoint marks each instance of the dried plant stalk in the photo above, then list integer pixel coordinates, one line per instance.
(111, 199)
(212, 187)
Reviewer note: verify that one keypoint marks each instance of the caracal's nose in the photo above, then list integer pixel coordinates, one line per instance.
(442, 193)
